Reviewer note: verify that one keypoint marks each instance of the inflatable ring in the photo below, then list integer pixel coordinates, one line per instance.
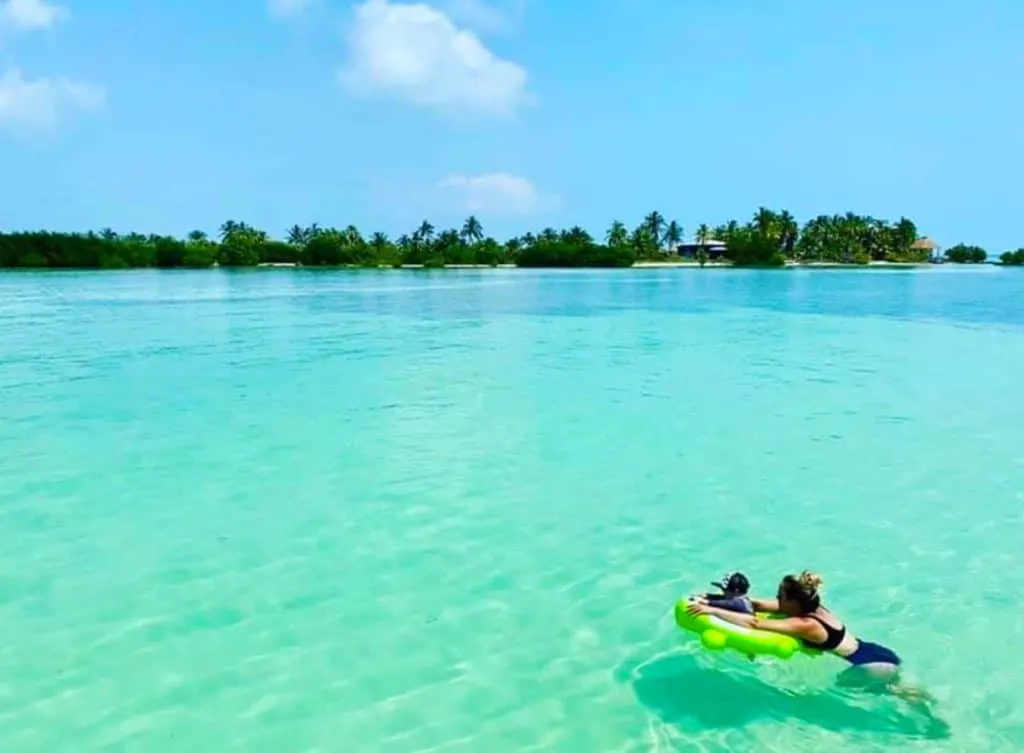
(716, 634)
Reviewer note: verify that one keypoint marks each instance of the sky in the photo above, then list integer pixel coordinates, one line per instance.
(159, 116)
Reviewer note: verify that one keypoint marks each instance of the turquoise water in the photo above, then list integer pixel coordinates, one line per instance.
(288, 511)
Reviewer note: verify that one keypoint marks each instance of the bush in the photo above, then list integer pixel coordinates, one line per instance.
(200, 255)
(961, 254)
(749, 248)
(276, 252)
(169, 252)
(1013, 258)
(562, 253)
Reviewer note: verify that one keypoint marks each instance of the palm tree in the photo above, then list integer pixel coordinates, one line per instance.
(673, 235)
(297, 236)
(425, 231)
(578, 236)
(904, 235)
(448, 239)
(472, 230)
(655, 223)
(197, 236)
(789, 232)
(351, 235)
(379, 241)
(644, 242)
(764, 220)
(703, 234)
(617, 235)
(229, 228)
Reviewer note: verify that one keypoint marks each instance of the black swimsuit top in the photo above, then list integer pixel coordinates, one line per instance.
(833, 636)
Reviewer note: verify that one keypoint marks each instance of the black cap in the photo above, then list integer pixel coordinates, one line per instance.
(734, 583)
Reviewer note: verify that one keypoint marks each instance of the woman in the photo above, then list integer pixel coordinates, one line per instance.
(798, 597)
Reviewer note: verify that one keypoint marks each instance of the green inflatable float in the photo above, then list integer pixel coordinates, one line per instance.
(717, 634)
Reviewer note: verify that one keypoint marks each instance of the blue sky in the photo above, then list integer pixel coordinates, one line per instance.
(162, 116)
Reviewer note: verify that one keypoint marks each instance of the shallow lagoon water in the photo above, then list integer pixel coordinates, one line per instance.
(284, 511)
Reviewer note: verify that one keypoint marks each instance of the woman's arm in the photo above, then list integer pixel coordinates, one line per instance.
(727, 615)
(765, 605)
(796, 627)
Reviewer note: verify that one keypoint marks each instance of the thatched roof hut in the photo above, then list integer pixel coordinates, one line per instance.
(926, 244)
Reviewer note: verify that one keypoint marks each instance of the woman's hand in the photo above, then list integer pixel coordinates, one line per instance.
(697, 608)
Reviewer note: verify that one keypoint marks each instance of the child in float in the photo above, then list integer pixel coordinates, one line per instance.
(734, 588)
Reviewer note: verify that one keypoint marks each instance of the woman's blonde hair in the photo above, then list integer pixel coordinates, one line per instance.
(810, 582)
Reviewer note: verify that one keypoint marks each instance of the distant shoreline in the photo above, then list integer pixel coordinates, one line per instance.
(640, 265)
(769, 240)
(688, 264)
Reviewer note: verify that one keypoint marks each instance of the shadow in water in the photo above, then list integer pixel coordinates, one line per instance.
(679, 691)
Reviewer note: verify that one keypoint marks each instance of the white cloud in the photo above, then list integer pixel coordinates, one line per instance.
(29, 15)
(39, 104)
(288, 8)
(416, 53)
(483, 16)
(27, 105)
(496, 193)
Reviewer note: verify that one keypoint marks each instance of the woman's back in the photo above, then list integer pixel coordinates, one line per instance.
(832, 632)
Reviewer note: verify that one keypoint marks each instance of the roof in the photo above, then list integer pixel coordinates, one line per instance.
(925, 243)
(707, 242)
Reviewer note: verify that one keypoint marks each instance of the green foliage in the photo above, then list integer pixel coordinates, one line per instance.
(571, 251)
(962, 254)
(489, 252)
(276, 252)
(673, 235)
(240, 246)
(768, 239)
(754, 246)
(170, 252)
(617, 236)
(75, 250)
(854, 239)
(1013, 258)
(199, 255)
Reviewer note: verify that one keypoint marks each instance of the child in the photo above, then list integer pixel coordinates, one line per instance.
(734, 588)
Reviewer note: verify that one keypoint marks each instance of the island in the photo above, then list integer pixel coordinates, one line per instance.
(770, 239)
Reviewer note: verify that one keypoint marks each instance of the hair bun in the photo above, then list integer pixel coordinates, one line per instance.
(811, 582)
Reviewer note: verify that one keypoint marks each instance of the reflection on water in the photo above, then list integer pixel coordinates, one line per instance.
(681, 692)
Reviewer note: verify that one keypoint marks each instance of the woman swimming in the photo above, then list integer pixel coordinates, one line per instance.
(874, 667)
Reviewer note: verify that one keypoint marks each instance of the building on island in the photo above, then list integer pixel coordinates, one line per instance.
(714, 249)
(927, 244)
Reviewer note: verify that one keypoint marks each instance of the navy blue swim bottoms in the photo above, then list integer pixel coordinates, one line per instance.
(872, 653)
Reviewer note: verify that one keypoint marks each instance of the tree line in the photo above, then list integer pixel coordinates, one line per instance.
(768, 239)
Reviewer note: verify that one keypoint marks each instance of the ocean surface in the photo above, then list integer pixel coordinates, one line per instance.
(286, 511)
